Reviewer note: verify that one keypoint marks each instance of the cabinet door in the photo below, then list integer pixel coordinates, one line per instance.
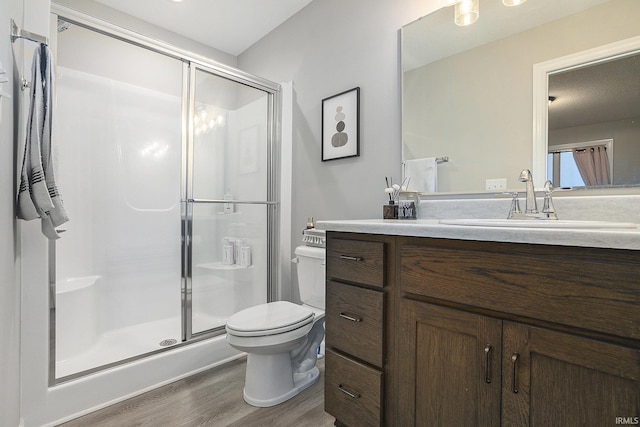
(450, 361)
(555, 379)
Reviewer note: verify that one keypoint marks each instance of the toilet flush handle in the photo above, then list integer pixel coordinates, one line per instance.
(295, 260)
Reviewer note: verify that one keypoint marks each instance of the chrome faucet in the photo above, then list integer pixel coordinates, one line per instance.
(531, 206)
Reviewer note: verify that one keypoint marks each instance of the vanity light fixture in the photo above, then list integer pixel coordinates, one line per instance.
(466, 12)
(513, 2)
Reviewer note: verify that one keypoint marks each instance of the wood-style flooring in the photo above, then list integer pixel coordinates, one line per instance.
(211, 398)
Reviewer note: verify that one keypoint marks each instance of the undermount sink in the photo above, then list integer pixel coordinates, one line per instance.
(539, 223)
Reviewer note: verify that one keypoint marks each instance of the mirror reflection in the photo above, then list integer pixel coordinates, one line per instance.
(467, 93)
(594, 125)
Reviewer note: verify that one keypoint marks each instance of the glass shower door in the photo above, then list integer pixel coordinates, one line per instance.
(229, 204)
(117, 268)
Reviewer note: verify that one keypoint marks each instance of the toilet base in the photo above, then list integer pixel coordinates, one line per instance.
(269, 380)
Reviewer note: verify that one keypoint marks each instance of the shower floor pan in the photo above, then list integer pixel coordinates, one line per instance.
(124, 343)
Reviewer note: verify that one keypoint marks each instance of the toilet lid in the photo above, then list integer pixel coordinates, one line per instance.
(269, 319)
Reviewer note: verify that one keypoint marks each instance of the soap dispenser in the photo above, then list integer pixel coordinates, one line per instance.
(228, 207)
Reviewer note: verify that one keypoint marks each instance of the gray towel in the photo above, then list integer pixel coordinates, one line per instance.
(38, 196)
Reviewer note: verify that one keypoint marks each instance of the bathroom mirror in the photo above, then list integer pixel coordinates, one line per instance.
(467, 91)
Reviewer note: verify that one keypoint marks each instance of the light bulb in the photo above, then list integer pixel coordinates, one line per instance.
(512, 2)
(467, 12)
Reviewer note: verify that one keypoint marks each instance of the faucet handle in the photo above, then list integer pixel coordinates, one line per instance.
(548, 187)
(547, 208)
(515, 205)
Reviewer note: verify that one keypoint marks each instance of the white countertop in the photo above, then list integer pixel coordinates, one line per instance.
(594, 238)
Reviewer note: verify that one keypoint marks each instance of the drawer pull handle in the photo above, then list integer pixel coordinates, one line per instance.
(348, 393)
(351, 318)
(514, 361)
(487, 375)
(351, 258)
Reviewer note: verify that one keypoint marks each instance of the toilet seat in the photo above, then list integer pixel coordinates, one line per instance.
(269, 319)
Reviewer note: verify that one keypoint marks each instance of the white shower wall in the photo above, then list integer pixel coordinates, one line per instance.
(121, 155)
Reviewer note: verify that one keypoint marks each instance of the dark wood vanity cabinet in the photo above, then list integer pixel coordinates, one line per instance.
(516, 335)
(486, 334)
(462, 368)
(355, 328)
(553, 378)
(446, 378)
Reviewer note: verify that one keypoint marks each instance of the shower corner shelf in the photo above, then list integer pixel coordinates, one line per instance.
(221, 266)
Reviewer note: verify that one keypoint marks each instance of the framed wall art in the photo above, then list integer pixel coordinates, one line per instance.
(340, 125)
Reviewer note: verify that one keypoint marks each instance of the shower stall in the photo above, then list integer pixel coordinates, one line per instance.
(167, 167)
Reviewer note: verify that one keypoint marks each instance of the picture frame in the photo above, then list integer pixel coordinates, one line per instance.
(341, 125)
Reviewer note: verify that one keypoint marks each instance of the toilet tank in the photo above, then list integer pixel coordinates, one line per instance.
(311, 275)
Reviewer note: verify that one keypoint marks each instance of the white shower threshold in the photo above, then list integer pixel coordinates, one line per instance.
(127, 342)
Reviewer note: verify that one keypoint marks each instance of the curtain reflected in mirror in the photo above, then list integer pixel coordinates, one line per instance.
(593, 165)
(599, 104)
(581, 165)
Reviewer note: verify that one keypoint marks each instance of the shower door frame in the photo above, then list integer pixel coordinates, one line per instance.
(191, 63)
(272, 204)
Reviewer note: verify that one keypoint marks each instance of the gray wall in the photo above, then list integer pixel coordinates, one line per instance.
(9, 288)
(328, 47)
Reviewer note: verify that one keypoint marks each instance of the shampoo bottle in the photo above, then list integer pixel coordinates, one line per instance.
(245, 254)
(228, 252)
(237, 244)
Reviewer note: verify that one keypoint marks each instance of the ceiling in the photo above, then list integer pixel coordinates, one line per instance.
(600, 93)
(435, 36)
(231, 26)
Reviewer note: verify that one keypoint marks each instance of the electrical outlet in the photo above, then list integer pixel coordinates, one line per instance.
(496, 184)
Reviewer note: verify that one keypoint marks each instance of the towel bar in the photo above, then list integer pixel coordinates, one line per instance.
(17, 33)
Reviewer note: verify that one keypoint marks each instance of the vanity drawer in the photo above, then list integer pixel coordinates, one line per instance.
(354, 321)
(596, 289)
(352, 391)
(356, 261)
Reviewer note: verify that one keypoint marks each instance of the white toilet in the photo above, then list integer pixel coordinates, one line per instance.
(281, 338)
